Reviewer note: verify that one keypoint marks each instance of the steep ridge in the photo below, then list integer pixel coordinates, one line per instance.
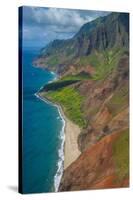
(101, 34)
(93, 90)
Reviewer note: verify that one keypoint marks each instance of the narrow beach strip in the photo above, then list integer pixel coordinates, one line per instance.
(71, 150)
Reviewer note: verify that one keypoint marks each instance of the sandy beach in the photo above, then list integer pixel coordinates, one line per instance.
(71, 151)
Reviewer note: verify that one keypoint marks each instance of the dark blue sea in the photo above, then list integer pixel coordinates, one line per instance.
(42, 131)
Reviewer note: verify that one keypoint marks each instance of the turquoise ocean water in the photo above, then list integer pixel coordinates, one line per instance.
(43, 133)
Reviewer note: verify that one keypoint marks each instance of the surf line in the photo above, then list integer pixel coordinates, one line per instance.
(60, 163)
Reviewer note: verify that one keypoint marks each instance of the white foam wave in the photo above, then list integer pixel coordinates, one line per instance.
(59, 173)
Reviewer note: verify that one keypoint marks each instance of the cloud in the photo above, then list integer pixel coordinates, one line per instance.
(54, 16)
(46, 24)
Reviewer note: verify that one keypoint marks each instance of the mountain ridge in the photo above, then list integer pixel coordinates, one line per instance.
(96, 35)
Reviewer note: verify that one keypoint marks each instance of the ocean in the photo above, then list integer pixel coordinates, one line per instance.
(43, 131)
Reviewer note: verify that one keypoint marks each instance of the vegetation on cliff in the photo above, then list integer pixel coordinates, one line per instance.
(63, 92)
(101, 37)
(71, 101)
(121, 155)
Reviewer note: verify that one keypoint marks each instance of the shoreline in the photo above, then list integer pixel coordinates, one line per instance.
(71, 131)
(69, 151)
(60, 164)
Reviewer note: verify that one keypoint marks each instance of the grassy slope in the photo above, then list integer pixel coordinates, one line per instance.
(78, 77)
(62, 92)
(121, 155)
(119, 100)
(103, 62)
(71, 101)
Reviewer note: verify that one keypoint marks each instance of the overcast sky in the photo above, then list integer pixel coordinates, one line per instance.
(42, 25)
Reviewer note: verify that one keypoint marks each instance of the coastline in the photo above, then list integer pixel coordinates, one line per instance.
(69, 151)
(71, 132)
(60, 169)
